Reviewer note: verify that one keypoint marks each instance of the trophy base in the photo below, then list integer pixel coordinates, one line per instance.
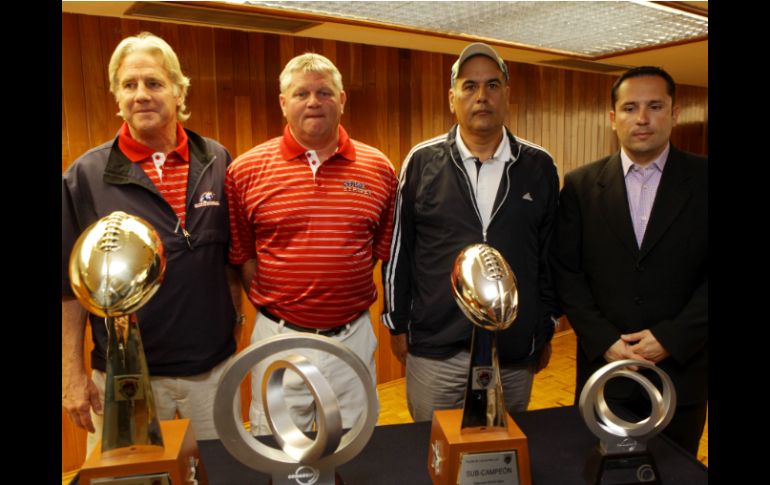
(178, 462)
(476, 457)
(621, 469)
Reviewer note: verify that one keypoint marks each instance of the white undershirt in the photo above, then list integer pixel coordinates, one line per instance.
(486, 182)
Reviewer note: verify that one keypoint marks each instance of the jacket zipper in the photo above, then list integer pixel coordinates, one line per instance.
(184, 232)
(187, 237)
(473, 197)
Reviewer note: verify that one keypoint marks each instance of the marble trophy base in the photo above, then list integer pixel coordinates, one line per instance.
(178, 462)
(452, 451)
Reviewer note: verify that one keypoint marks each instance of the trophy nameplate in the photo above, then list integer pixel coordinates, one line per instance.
(116, 265)
(300, 459)
(481, 442)
(622, 456)
(496, 455)
(177, 462)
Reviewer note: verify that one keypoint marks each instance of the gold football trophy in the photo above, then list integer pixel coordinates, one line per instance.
(116, 266)
(481, 442)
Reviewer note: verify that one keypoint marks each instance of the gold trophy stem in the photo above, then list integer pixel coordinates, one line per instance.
(130, 417)
(484, 406)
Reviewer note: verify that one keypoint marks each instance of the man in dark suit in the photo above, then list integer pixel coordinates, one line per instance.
(629, 255)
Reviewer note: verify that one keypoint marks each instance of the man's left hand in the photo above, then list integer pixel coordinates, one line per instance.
(645, 344)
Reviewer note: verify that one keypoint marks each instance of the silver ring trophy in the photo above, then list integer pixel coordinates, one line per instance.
(467, 445)
(622, 455)
(116, 266)
(300, 460)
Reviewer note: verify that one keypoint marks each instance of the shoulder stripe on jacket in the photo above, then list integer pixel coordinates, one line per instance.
(537, 147)
(395, 245)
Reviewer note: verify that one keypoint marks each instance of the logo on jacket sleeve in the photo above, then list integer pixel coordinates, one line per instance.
(207, 199)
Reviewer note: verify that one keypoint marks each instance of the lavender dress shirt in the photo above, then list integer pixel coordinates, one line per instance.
(641, 187)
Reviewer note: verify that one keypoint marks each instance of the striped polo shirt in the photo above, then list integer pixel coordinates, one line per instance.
(167, 171)
(314, 233)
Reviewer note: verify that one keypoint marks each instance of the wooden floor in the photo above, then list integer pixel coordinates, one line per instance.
(554, 386)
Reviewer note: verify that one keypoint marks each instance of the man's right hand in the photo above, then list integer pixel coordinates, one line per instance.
(398, 347)
(621, 350)
(78, 396)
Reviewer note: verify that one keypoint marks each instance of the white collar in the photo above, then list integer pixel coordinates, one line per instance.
(503, 151)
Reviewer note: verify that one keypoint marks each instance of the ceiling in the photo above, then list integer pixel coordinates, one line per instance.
(686, 59)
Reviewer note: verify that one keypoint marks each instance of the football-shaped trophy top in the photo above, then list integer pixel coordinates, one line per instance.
(116, 265)
(484, 287)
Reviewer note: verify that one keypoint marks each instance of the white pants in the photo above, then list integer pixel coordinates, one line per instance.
(358, 337)
(440, 384)
(191, 397)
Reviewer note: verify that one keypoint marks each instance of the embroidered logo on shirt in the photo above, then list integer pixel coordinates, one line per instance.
(353, 186)
(207, 199)
(528, 197)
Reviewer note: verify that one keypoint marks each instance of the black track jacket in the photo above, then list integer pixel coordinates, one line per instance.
(436, 217)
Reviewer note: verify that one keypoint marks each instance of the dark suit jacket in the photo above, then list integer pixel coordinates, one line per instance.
(608, 286)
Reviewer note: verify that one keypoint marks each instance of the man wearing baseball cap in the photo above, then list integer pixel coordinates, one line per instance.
(478, 183)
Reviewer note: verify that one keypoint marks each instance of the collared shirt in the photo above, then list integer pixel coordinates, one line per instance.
(641, 187)
(292, 150)
(485, 178)
(314, 231)
(167, 171)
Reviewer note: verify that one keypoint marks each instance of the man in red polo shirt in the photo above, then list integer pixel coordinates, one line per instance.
(310, 212)
(174, 179)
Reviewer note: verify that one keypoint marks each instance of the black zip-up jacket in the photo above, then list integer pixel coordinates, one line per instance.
(187, 326)
(437, 216)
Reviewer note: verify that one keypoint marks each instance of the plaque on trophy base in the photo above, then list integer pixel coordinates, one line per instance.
(621, 468)
(177, 462)
(491, 456)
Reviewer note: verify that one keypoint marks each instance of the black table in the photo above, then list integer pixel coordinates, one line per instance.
(559, 445)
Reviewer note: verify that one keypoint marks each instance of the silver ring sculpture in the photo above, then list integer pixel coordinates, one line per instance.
(617, 435)
(316, 458)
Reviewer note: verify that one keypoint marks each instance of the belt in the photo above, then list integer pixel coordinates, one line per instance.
(326, 332)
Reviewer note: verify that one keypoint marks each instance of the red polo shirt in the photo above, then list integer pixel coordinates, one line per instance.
(171, 178)
(314, 235)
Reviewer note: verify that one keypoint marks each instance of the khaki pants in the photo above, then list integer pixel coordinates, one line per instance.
(190, 397)
(358, 337)
(440, 384)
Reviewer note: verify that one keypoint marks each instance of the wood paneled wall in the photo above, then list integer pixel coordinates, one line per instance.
(396, 98)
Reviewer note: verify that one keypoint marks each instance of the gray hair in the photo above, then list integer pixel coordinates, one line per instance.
(147, 42)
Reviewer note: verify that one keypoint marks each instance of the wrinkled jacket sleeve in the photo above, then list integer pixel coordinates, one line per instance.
(397, 273)
(76, 214)
(549, 303)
